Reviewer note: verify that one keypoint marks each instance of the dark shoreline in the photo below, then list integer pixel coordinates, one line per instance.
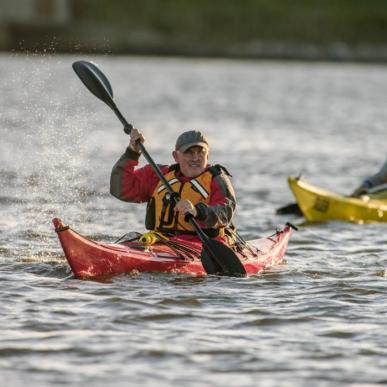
(335, 52)
(80, 40)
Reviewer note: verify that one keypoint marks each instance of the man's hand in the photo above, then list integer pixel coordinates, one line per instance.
(185, 206)
(135, 136)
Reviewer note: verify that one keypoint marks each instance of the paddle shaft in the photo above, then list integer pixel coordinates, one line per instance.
(127, 127)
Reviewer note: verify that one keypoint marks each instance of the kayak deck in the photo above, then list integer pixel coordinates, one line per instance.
(90, 259)
(318, 204)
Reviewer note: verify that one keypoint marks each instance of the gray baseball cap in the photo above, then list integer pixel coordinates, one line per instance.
(191, 138)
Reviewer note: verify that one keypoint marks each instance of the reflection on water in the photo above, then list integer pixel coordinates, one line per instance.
(324, 310)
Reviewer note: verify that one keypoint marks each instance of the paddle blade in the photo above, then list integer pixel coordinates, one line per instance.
(93, 78)
(219, 259)
(292, 209)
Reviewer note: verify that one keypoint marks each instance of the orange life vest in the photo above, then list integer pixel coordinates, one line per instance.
(160, 211)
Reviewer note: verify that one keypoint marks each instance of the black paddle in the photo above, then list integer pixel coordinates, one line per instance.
(216, 257)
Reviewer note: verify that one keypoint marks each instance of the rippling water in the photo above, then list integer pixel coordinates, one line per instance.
(319, 320)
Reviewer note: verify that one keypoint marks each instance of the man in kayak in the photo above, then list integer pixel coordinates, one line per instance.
(372, 181)
(205, 191)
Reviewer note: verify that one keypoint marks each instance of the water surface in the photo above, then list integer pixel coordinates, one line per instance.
(318, 320)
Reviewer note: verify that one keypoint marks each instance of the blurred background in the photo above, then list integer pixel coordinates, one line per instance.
(349, 30)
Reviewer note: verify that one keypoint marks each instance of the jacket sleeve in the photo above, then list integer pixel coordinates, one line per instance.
(130, 184)
(378, 178)
(220, 211)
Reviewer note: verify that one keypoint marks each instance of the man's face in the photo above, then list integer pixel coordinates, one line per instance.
(193, 161)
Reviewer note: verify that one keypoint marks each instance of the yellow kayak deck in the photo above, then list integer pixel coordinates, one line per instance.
(319, 204)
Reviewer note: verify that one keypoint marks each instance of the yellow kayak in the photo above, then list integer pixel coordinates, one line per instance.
(319, 204)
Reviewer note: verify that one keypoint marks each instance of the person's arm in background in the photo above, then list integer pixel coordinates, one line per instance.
(372, 181)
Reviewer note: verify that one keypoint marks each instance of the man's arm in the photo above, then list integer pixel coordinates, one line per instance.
(220, 211)
(372, 181)
(132, 185)
(380, 177)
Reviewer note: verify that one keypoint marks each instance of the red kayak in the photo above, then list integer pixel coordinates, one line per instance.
(90, 259)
